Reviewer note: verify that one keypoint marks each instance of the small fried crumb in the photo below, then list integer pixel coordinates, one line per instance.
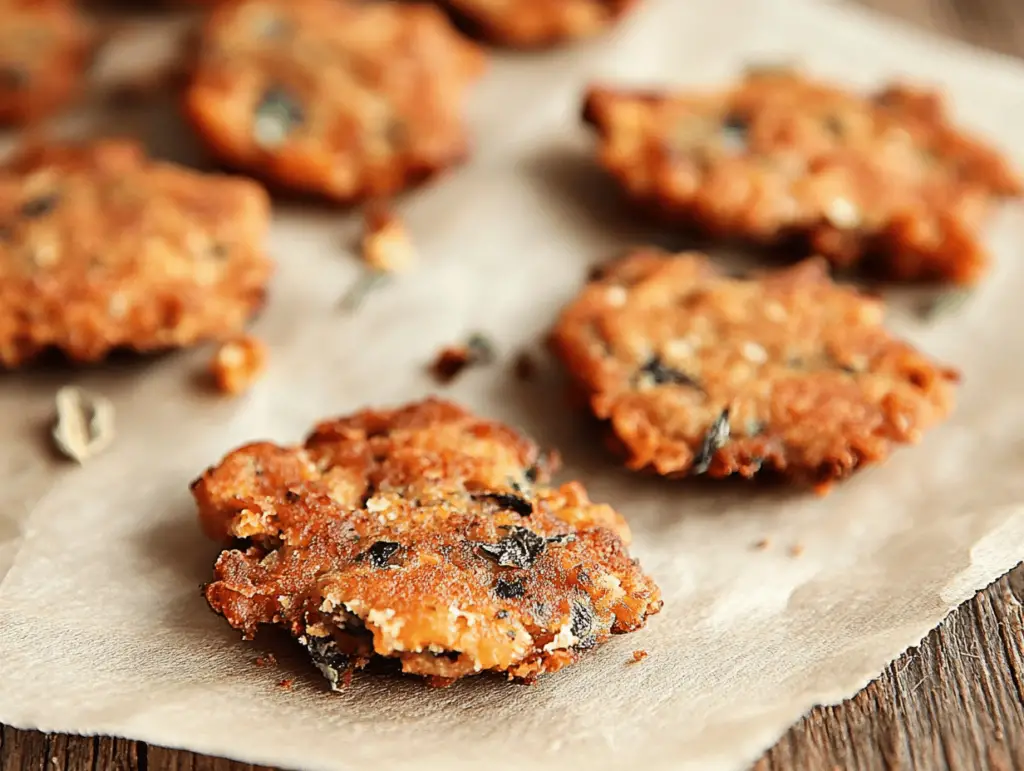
(763, 544)
(823, 488)
(525, 366)
(451, 361)
(238, 363)
(638, 656)
(796, 550)
(286, 684)
(266, 660)
(386, 244)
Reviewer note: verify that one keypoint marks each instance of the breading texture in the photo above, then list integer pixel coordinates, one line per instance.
(44, 46)
(697, 372)
(330, 97)
(423, 535)
(538, 23)
(884, 182)
(101, 249)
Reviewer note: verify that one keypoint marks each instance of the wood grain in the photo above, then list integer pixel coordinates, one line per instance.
(955, 702)
(994, 24)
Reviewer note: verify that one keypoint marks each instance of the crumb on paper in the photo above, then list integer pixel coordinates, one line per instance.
(346, 678)
(639, 655)
(286, 683)
(452, 360)
(525, 366)
(796, 550)
(238, 363)
(266, 660)
(84, 425)
(386, 245)
(763, 544)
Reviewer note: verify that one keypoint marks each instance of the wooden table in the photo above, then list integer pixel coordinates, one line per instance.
(955, 702)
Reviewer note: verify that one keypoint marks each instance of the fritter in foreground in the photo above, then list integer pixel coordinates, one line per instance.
(422, 535)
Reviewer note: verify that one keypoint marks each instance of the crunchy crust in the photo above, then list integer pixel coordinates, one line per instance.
(372, 539)
(44, 46)
(815, 387)
(330, 97)
(537, 23)
(884, 180)
(101, 248)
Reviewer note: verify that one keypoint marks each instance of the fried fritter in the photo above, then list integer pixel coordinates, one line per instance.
(696, 372)
(101, 248)
(883, 182)
(44, 46)
(422, 535)
(342, 99)
(386, 246)
(536, 23)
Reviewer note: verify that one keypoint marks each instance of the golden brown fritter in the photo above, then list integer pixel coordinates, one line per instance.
(536, 23)
(885, 180)
(337, 98)
(44, 46)
(101, 248)
(423, 535)
(696, 372)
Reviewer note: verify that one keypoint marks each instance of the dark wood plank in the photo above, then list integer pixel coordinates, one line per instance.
(993, 24)
(956, 702)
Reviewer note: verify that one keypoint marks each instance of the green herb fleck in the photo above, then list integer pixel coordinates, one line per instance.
(509, 589)
(481, 349)
(715, 438)
(662, 374)
(754, 427)
(277, 115)
(39, 206)
(943, 304)
(360, 288)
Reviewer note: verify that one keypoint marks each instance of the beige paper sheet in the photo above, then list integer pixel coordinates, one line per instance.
(103, 630)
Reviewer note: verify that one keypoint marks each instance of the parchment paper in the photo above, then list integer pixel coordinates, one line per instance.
(103, 630)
